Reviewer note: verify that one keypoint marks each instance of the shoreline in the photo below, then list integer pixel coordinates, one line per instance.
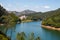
(50, 28)
(26, 21)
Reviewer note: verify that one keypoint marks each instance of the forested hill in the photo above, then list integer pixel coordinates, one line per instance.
(6, 17)
(53, 18)
(41, 15)
(3, 20)
(7, 20)
(2, 11)
(51, 13)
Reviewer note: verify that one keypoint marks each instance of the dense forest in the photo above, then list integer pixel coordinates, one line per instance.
(7, 20)
(52, 19)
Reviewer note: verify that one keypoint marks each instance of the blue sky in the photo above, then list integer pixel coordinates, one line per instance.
(36, 5)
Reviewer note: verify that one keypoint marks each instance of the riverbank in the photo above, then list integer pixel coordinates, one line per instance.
(51, 28)
(27, 21)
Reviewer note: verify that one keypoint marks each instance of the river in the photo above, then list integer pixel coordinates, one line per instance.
(35, 27)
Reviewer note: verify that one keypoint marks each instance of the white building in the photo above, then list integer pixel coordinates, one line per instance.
(23, 17)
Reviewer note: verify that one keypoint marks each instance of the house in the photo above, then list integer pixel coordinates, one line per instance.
(23, 17)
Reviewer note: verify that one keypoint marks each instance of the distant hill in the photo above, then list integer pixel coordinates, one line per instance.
(15, 12)
(41, 15)
(25, 12)
(38, 15)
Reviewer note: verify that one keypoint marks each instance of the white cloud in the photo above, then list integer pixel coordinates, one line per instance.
(38, 7)
(46, 6)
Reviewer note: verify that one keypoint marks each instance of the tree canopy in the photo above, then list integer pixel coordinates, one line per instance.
(53, 20)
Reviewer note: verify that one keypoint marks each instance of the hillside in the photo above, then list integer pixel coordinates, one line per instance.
(53, 19)
(37, 15)
(41, 15)
(5, 17)
(7, 20)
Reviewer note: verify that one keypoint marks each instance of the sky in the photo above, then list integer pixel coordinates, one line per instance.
(35, 5)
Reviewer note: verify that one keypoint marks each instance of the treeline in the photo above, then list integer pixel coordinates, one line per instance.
(6, 17)
(42, 15)
(7, 21)
(36, 16)
(22, 36)
(53, 19)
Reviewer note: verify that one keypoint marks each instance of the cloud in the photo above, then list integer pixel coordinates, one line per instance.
(38, 7)
(46, 6)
